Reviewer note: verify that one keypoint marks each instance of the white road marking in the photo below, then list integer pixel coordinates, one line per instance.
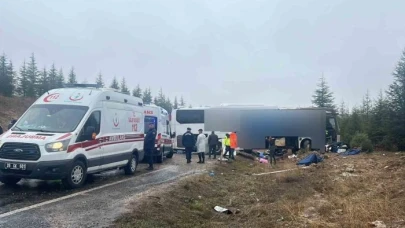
(280, 171)
(73, 195)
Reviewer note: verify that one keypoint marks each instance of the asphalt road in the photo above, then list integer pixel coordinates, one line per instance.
(97, 204)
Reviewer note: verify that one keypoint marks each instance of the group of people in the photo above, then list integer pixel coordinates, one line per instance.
(230, 143)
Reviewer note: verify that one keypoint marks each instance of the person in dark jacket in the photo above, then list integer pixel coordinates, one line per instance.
(213, 142)
(149, 144)
(272, 151)
(11, 124)
(1, 130)
(188, 142)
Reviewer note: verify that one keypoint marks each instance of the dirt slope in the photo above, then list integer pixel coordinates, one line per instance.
(12, 108)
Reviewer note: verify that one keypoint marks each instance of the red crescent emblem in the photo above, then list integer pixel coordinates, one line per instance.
(51, 97)
(76, 97)
(116, 121)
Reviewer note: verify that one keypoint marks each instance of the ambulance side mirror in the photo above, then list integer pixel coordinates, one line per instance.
(173, 135)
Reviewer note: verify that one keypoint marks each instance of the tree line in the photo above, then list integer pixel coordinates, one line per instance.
(30, 81)
(378, 121)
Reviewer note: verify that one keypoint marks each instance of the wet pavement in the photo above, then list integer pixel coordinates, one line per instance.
(48, 204)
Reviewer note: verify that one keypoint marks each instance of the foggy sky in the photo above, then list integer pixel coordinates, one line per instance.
(215, 51)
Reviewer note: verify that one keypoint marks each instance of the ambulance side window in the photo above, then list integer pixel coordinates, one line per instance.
(91, 126)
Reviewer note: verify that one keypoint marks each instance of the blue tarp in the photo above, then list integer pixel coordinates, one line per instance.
(308, 160)
(351, 152)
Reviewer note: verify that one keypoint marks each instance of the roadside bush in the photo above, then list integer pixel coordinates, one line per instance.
(388, 144)
(362, 140)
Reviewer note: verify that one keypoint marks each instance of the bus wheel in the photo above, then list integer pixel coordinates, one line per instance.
(306, 145)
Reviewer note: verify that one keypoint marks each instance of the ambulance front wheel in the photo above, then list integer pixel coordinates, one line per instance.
(77, 175)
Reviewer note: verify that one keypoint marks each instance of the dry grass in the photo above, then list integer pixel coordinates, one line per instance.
(340, 192)
(12, 108)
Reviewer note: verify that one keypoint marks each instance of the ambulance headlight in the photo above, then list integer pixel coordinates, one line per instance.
(57, 146)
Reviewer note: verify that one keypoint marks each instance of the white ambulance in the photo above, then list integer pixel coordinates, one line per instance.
(71, 132)
(160, 118)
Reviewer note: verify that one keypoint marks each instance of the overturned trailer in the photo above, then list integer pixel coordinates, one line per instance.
(300, 128)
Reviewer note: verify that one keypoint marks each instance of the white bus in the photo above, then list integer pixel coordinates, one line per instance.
(182, 118)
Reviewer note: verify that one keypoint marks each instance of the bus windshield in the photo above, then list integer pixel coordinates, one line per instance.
(51, 118)
(190, 116)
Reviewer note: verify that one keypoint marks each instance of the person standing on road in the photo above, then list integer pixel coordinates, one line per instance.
(227, 143)
(234, 144)
(188, 142)
(149, 144)
(11, 124)
(1, 130)
(201, 145)
(213, 142)
(272, 151)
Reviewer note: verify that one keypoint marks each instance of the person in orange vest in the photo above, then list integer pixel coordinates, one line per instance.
(234, 144)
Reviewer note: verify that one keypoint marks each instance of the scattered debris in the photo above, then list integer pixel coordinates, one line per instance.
(310, 213)
(263, 160)
(377, 224)
(308, 160)
(346, 174)
(212, 173)
(351, 152)
(222, 210)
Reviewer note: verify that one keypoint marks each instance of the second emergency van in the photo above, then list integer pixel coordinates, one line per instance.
(160, 118)
(71, 132)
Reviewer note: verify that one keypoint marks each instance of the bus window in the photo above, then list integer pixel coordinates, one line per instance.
(190, 116)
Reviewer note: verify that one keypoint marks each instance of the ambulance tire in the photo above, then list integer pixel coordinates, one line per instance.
(130, 168)
(159, 158)
(9, 180)
(77, 175)
(170, 154)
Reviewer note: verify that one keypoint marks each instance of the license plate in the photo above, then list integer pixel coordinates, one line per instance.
(16, 166)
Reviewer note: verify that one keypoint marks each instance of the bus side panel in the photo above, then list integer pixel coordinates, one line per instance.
(254, 125)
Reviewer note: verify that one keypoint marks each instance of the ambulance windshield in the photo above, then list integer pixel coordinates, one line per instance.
(51, 118)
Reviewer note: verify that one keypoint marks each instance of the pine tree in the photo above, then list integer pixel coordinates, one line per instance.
(43, 82)
(323, 97)
(100, 81)
(342, 109)
(53, 77)
(124, 88)
(175, 103)
(161, 99)
(137, 92)
(147, 96)
(396, 96)
(379, 121)
(60, 80)
(114, 84)
(168, 105)
(32, 76)
(72, 76)
(6, 77)
(182, 103)
(367, 105)
(11, 80)
(156, 101)
(23, 82)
